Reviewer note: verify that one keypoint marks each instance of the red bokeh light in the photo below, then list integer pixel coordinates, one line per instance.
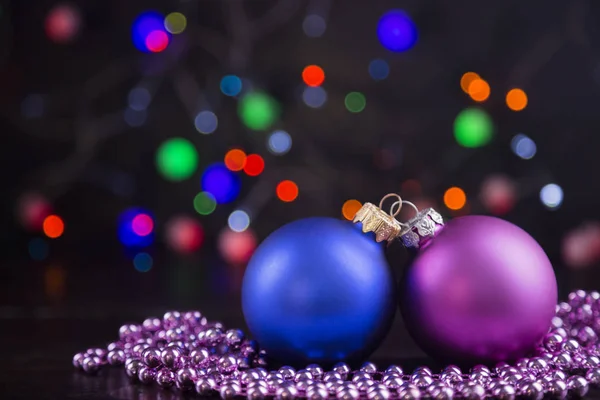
(53, 226)
(32, 210)
(184, 234)
(313, 75)
(498, 194)
(255, 165)
(142, 225)
(581, 247)
(287, 191)
(157, 41)
(237, 247)
(63, 23)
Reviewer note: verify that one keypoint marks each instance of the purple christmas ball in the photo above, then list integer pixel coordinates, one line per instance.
(481, 291)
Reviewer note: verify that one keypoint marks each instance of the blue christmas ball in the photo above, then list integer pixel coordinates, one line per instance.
(319, 290)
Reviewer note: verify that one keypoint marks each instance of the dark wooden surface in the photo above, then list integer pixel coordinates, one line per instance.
(50, 310)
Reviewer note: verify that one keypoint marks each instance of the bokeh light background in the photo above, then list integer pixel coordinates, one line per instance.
(144, 136)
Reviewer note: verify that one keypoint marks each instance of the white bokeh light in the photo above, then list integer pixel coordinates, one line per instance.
(551, 195)
(238, 221)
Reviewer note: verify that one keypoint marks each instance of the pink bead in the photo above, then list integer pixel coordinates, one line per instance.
(165, 378)
(194, 318)
(96, 352)
(234, 337)
(200, 357)
(114, 346)
(116, 357)
(171, 357)
(152, 324)
(132, 368)
(227, 364)
(90, 364)
(186, 378)
(129, 332)
(172, 319)
(146, 375)
(78, 359)
(151, 357)
(173, 334)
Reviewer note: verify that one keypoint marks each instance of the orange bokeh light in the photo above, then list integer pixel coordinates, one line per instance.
(479, 90)
(287, 191)
(255, 165)
(350, 208)
(467, 79)
(235, 160)
(455, 198)
(516, 99)
(313, 75)
(53, 226)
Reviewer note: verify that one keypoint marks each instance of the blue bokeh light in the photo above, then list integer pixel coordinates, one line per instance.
(280, 142)
(231, 85)
(523, 146)
(314, 26)
(146, 23)
(135, 118)
(314, 97)
(139, 98)
(223, 184)
(379, 69)
(38, 249)
(206, 122)
(142, 262)
(125, 229)
(396, 31)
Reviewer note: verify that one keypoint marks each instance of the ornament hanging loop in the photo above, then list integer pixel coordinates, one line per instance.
(399, 202)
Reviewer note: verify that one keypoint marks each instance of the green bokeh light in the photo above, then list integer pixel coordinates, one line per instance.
(258, 111)
(175, 22)
(473, 127)
(204, 203)
(177, 159)
(355, 102)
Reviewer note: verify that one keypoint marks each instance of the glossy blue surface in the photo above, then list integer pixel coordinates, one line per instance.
(319, 290)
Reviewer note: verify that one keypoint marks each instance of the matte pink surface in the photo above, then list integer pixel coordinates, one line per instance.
(482, 291)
